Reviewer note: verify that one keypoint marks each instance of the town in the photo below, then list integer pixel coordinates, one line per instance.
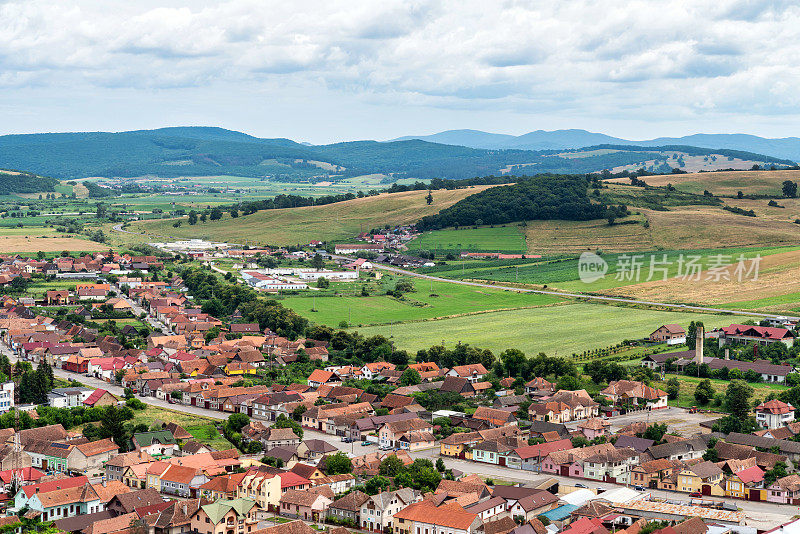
(255, 421)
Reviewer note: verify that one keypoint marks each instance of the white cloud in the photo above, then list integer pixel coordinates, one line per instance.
(653, 59)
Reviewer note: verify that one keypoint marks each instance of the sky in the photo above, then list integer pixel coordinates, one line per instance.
(335, 70)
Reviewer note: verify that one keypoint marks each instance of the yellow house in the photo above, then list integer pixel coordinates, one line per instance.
(154, 472)
(263, 488)
(135, 476)
(239, 368)
(459, 445)
(744, 484)
(705, 478)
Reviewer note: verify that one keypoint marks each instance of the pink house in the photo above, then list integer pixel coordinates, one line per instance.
(594, 428)
(785, 490)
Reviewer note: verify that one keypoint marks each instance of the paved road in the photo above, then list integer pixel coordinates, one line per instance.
(682, 307)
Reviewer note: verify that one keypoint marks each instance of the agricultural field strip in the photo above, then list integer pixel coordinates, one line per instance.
(598, 298)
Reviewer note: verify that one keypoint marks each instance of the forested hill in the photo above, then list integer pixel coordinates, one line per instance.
(24, 182)
(203, 151)
(540, 197)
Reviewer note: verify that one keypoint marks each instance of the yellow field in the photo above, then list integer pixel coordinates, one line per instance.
(690, 227)
(724, 183)
(343, 220)
(553, 237)
(777, 287)
(19, 243)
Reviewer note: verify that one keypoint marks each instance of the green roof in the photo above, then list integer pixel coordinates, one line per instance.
(145, 439)
(217, 510)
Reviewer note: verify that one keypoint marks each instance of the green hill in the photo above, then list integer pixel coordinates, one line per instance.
(24, 182)
(204, 151)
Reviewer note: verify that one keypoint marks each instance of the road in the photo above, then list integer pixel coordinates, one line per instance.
(620, 300)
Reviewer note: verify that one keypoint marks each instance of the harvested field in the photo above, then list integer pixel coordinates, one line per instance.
(724, 182)
(776, 289)
(47, 244)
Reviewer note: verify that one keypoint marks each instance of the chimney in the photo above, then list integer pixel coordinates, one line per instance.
(727, 354)
(698, 349)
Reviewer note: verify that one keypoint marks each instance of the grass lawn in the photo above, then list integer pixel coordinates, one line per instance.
(507, 238)
(184, 419)
(40, 287)
(209, 435)
(689, 384)
(450, 299)
(555, 330)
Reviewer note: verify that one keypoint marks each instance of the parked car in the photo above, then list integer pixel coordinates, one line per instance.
(638, 487)
(365, 443)
(347, 439)
(696, 494)
(579, 485)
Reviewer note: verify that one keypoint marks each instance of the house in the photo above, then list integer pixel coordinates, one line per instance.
(125, 503)
(657, 474)
(224, 516)
(279, 437)
(493, 507)
(611, 465)
(462, 386)
(473, 372)
(539, 384)
(705, 477)
(159, 442)
(594, 427)
(689, 449)
(6, 396)
(746, 484)
(262, 487)
(759, 335)
(68, 397)
(532, 505)
(100, 397)
(93, 455)
(495, 417)
(570, 462)
(423, 516)
(774, 414)
(370, 370)
(319, 377)
(305, 505)
(180, 480)
(377, 513)
(116, 466)
(671, 334)
(404, 433)
(531, 455)
(636, 394)
(348, 508)
(785, 490)
(66, 502)
(551, 412)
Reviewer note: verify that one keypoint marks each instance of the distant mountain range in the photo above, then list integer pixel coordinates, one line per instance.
(786, 147)
(210, 151)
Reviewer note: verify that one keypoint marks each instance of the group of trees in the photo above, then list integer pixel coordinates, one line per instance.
(562, 197)
(34, 385)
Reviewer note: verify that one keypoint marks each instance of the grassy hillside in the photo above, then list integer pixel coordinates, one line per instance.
(343, 220)
(724, 183)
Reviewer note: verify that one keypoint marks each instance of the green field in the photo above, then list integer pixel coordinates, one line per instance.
(689, 383)
(507, 238)
(562, 273)
(562, 330)
(430, 299)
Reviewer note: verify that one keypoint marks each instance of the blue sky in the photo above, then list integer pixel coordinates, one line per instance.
(342, 70)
